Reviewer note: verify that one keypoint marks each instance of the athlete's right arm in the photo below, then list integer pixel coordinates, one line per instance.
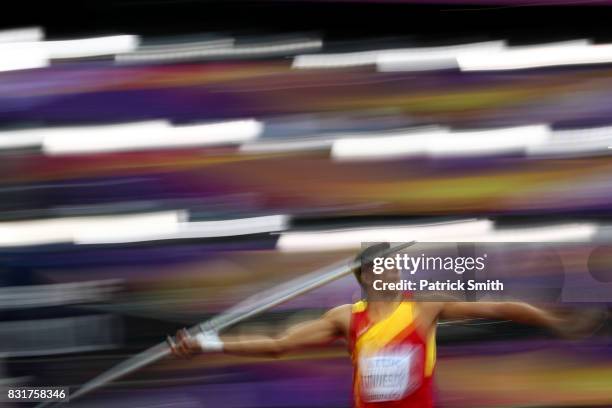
(317, 332)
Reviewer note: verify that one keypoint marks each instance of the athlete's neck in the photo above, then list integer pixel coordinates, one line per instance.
(372, 296)
(380, 307)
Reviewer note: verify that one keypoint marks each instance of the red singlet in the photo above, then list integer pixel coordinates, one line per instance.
(392, 364)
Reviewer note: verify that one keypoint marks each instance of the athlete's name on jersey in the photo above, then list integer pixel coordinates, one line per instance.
(448, 285)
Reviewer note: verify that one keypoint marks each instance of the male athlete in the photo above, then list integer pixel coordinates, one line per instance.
(391, 338)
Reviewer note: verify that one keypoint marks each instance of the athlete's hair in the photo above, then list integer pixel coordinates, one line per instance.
(366, 257)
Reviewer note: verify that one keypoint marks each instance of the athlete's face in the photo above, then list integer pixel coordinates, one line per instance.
(393, 275)
(368, 277)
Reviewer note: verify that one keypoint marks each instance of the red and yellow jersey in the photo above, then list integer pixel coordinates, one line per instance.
(392, 363)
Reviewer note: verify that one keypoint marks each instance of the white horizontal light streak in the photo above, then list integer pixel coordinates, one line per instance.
(71, 138)
(575, 142)
(435, 141)
(466, 231)
(15, 57)
(185, 45)
(144, 227)
(352, 238)
(466, 143)
(18, 55)
(383, 146)
(411, 59)
(341, 60)
(420, 59)
(234, 227)
(325, 141)
(441, 142)
(200, 229)
(91, 47)
(73, 229)
(570, 232)
(146, 136)
(537, 57)
(17, 139)
(22, 34)
(177, 51)
(131, 228)
(180, 52)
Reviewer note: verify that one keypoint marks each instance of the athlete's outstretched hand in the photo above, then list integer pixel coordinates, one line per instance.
(579, 323)
(185, 345)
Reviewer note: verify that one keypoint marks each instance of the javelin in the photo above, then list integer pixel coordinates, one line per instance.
(242, 311)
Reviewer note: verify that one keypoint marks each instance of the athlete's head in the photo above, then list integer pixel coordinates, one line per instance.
(366, 275)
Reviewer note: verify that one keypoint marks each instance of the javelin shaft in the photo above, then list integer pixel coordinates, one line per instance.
(161, 350)
(324, 276)
(226, 320)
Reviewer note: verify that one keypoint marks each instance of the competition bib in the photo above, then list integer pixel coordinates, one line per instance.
(389, 375)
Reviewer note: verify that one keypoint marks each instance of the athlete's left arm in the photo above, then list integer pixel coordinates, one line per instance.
(568, 323)
(518, 312)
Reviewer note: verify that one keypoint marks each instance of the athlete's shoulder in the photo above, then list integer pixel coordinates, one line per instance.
(340, 316)
(341, 311)
(431, 308)
(434, 302)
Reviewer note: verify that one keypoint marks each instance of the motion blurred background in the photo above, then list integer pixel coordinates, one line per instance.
(161, 161)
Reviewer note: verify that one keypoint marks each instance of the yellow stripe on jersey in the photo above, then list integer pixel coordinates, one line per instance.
(359, 306)
(381, 333)
(430, 357)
